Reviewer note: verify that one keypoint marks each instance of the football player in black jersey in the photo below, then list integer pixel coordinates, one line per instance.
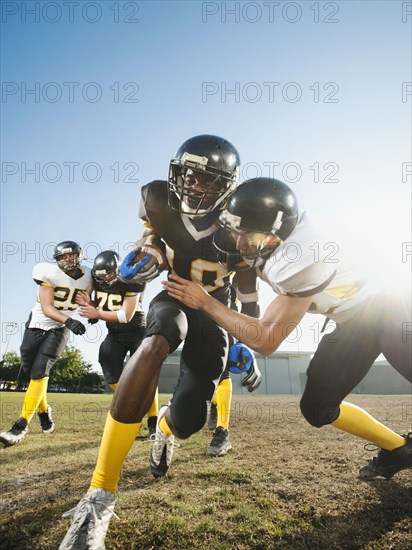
(47, 332)
(180, 216)
(120, 305)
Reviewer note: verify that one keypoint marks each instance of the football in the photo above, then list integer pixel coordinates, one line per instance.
(145, 260)
(142, 265)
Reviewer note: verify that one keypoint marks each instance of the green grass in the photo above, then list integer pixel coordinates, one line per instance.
(265, 494)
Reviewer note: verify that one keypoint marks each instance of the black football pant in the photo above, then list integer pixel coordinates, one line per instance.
(204, 356)
(40, 349)
(345, 356)
(113, 351)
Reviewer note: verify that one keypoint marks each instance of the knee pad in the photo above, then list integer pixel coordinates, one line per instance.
(183, 421)
(168, 320)
(317, 413)
(184, 432)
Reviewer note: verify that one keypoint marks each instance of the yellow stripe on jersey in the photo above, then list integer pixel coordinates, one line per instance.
(346, 290)
(44, 284)
(131, 293)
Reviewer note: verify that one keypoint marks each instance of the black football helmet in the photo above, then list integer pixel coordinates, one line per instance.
(106, 268)
(204, 171)
(67, 247)
(257, 208)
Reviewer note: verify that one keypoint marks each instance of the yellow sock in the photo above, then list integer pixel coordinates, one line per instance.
(223, 401)
(35, 393)
(113, 386)
(154, 409)
(164, 426)
(116, 442)
(43, 404)
(356, 421)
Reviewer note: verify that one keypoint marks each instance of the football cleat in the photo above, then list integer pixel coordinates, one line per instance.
(46, 421)
(387, 463)
(90, 522)
(212, 421)
(162, 448)
(220, 444)
(15, 434)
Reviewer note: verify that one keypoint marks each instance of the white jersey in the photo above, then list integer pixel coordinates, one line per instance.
(315, 261)
(65, 289)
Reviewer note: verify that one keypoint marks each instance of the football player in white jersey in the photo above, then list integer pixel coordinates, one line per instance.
(47, 332)
(310, 270)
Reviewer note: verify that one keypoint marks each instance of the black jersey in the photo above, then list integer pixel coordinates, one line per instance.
(189, 247)
(112, 300)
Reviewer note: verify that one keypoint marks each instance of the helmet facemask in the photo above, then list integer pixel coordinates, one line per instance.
(251, 246)
(106, 269)
(195, 189)
(106, 279)
(67, 255)
(68, 262)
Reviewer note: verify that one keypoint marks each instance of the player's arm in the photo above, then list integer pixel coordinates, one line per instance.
(46, 299)
(123, 315)
(247, 291)
(263, 335)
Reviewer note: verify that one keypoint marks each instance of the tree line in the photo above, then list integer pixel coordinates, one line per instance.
(70, 373)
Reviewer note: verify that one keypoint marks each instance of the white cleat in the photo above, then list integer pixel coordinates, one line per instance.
(90, 522)
(15, 434)
(162, 449)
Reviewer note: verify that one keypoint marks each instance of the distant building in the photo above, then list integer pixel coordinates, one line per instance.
(285, 373)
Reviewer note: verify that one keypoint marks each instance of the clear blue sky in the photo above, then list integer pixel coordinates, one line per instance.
(320, 103)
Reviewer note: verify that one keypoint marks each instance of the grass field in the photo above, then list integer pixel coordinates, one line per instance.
(284, 485)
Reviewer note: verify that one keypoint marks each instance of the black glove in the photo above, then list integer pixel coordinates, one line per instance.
(253, 378)
(92, 321)
(75, 326)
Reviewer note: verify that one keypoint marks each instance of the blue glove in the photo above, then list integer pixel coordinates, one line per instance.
(242, 360)
(127, 270)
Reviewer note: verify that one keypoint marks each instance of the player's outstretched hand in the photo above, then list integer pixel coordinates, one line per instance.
(242, 360)
(75, 326)
(189, 293)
